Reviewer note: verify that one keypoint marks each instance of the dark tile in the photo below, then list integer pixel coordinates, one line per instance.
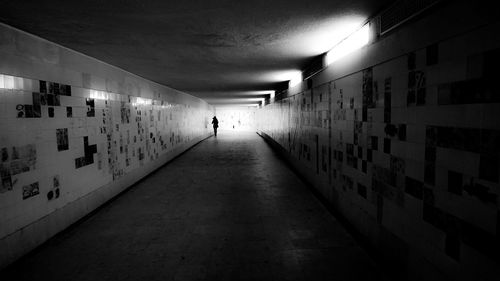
(43, 99)
(337, 156)
(490, 142)
(367, 86)
(69, 112)
(390, 130)
(420, 79)
(414, 187)
(54, 88)
(434, 216)
(362, 190)
(64, 90)
(480, 90)
(402, 132)
(411, 97)
(452, 246)
(43, 86)
(380, 208)
(412, 79)
(455, 182)
(364, 166)
(490, 66)
(430, 154)
(459, 138)
(350, 149)
(358, 127)
(431, 133)
(374, 142)
(352, 161)
(387, 91)
(444, 94)
(498, 224)
(37, 108)
(432, 54)
(5, 155)
(430, 173)
(51, 100)
(428, 196)
(51, 112)
(369, 155)
(462, 92)
(480, 191)
(387, 145)
(387, 115)
(397, 165)
(488, 167)
(5, 176)
(62, 139)
(79, 162)
(411, 61)
(90, 107)
(28, 111)
(480, 240)
(421, 96)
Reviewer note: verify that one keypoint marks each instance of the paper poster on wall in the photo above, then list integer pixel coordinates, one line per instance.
(30, 190)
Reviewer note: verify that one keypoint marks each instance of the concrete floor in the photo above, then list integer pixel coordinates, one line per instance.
(228, 209)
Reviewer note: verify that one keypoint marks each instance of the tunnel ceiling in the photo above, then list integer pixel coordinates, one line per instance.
(211, 49)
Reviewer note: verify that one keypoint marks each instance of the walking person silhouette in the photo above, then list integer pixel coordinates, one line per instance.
(215, 122)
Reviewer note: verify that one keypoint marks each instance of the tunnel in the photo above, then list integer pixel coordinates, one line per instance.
(249, 140)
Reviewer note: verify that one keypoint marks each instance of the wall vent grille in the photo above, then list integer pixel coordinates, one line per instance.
(401, 12)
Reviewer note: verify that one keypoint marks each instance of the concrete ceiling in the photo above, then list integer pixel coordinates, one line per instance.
(212, 49)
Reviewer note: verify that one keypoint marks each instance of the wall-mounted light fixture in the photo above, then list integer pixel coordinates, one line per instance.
(99, 95)
(295, 79)
(6, 82)
(291, 77)
(142, 101)
(353, 42)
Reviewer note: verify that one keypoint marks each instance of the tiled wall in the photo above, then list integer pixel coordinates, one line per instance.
(68, 143)
(408, 150)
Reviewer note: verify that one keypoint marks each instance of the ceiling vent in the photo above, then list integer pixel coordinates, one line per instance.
(402, 11)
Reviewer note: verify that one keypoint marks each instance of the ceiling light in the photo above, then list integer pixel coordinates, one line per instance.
(295, 79)
(353, 42)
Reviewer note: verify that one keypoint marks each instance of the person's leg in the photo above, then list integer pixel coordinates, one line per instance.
(215, 131)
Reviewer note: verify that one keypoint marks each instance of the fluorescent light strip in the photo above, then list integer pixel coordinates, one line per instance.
(142, 101)
(6, 82)
(295, 79)
(353, 42)
(99, 95)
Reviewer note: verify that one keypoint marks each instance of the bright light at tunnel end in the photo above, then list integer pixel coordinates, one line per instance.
(352, 43)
